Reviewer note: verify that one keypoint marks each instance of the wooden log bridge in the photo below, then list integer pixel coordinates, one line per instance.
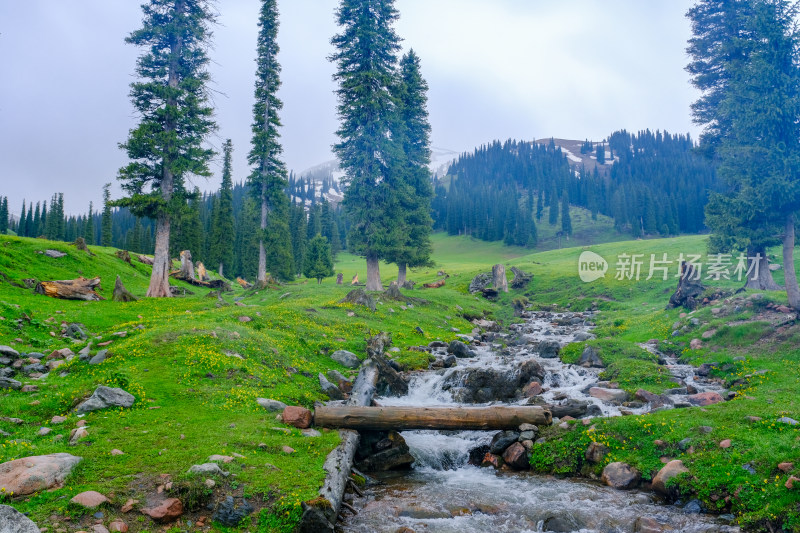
(443, 418)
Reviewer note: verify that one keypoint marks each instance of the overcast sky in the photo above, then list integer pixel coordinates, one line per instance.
(497, 69)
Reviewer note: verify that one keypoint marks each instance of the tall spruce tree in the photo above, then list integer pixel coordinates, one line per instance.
(88, 229)
(106, 222)
(319, 261)
(188, 227)
(566, 219)
(268, 178)
(722, 43)
(29, 222)
(223, 236)
(4, 215)
(21, 228)
(748, 74)
(297, 227)
(365, 57)
(172, 99)
(412, 132)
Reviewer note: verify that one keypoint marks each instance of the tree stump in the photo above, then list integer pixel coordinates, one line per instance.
(521, 279)
(359, 297)
(499, 280)
(689, 288)
(202, 273)
(187, 267)
(71, 289)
(80, 244)
(121, 294)
(339, 278)
(355, 280)
(124, 255)
(244, 283)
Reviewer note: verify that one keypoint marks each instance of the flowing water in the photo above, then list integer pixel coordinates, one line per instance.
(443, 493)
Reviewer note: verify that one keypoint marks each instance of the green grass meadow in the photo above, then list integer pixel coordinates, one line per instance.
(196, 369)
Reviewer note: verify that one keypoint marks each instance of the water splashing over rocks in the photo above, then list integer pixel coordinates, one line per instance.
(445, 492)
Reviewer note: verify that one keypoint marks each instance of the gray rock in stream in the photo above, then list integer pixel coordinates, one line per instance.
(460, 350)
(479, 385)
(549, 349)
(503, 440)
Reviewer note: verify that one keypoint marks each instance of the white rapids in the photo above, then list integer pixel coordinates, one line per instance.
(444, 494)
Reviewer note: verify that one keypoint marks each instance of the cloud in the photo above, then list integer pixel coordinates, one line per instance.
(499, 69)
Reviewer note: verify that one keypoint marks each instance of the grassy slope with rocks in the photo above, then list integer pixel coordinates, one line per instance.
(196, 371)
(184, 339)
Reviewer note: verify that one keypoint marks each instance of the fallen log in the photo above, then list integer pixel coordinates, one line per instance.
(70, 289)
(442, 418)
(435, 284)
(366, 383)
(320, 513)
(146, 260)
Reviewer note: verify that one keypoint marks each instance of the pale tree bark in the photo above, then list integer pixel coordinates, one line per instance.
(401, 273)
(764, 280)
(262, 252)
(789, 275)
(373, 273)
(220, 272)
(159, 279)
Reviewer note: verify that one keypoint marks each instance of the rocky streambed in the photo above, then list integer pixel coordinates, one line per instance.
(477, 481)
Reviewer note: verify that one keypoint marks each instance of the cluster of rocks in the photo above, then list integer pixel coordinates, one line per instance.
(509, 450)
(34, 474)
(33, 365)
(38, 366)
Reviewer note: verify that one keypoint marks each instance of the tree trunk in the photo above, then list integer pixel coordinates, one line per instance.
(789, 275)
(442, 418)
(763, 280)
(262, 252)
(159, 279)
(373, 273)
(401, 274)
(220, 272)
(499, 278)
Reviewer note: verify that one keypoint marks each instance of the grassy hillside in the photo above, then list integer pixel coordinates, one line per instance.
(585, 231)
(196, 370)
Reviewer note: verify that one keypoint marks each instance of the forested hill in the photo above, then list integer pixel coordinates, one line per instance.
(650, 183)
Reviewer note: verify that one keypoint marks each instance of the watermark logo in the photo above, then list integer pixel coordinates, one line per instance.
(636, 267)
(591, 266)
